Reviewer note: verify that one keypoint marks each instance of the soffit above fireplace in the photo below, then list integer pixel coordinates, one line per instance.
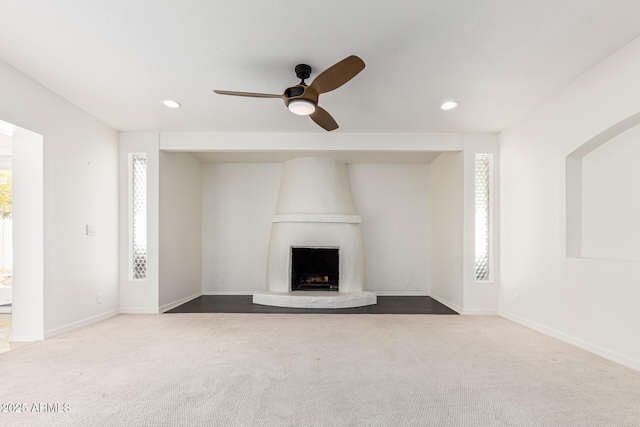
(373, 148)
(408, 157)
(333, 218)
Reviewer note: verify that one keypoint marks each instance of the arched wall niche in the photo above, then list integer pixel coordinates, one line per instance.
(603, 195)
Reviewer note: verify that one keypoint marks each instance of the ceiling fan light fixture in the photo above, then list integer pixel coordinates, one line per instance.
(302, 107)
(449, 105)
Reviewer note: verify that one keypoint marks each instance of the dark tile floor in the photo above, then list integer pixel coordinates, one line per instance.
(244, 304)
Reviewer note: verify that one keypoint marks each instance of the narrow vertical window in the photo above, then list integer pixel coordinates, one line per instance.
(483, 216)
(138, 216)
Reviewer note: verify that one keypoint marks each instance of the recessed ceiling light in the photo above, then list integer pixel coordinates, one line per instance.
(171, 103)
(449, 105)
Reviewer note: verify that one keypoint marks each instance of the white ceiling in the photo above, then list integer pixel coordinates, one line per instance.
(118, 59)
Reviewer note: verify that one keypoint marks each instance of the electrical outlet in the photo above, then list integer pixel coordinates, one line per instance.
(98, 298)
(516, 299)
(408, 281)
(90, 230)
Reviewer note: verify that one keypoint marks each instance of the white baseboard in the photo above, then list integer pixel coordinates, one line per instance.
(592, 348)
(24, 338)
(231, 292)
(398, 294)
(139, 310)
(452, 306)
(480, 312)
(79, 324)
(5, 310)
(181, 301)
(466, 311)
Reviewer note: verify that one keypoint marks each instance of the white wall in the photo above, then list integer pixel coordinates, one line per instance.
(139, 296)
(446, 194)
(611, 207)
(481, 297)
(591, 303)
(238, 204)
(452, 226)
(180, 229)
(28, 237)
(79, 157)
(6, 246)
(392, 200)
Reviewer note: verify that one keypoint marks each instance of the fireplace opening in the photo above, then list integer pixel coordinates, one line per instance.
(314, 269)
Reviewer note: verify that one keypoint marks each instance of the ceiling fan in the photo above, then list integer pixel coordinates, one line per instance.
(303, 100)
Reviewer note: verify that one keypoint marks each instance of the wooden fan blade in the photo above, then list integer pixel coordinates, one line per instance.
(324, 119)
(337, 75)
(249, 94)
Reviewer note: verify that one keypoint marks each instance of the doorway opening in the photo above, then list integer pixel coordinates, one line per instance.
(21, 236)
(6, 253)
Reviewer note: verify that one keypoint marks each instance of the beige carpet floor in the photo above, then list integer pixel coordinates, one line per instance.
(313, 370)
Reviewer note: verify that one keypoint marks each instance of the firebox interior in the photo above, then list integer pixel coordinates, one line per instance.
(314, 269)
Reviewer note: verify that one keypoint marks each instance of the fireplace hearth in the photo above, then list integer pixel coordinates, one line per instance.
(315, 269)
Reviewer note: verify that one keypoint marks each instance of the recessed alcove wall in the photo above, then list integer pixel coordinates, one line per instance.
(603, 195)
(416, 207)
(239, 201)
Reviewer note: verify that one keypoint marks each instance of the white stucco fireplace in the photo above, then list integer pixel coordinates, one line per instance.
(315, 214)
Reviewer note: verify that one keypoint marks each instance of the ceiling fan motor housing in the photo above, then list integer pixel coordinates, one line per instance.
(301, 90)
(303, 71)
